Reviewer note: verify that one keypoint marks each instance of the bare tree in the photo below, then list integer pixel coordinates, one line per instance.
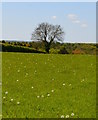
(48, 33)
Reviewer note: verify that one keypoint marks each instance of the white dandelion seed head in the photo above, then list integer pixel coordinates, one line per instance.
(18, 103)
(4, 97)
(63, 84)
(72, 114)
(52, 90)
(11, 100)
(62, 116)
(67, 116)
(48, 95)
(6, 92)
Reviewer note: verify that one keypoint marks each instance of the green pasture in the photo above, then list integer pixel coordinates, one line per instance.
(48, 85)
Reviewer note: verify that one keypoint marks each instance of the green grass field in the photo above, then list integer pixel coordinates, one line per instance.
(48, 86)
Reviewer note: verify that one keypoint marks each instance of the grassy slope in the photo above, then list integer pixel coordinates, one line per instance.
(44, 73)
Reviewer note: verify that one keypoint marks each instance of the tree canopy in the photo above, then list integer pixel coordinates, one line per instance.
(48, 33)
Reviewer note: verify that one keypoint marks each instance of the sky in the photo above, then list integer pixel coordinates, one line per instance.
(78, 19)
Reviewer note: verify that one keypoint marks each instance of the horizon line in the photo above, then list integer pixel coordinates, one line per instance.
(20, 40)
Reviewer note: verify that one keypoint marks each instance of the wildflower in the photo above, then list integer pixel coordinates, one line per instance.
(52, 90)
(32, 87)
(17, 80)
(62, 116)
(42, 96)
(72, 114)
(11, 100)
(6, 92)
(48, 95)
(38, 96)
(63, 84)
(69, 84)
(4, 97)
(67, 116)
(18, 103)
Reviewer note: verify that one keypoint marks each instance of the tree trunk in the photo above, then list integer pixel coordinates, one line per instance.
(47, 47)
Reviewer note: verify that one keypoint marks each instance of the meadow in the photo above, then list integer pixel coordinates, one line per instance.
(48, 85)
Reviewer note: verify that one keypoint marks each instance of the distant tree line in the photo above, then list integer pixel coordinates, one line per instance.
(56, 47)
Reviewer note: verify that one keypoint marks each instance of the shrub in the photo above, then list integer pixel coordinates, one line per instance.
(3, 41)
(53, 51)
(78, 51)
(11, 48)
(63, 50)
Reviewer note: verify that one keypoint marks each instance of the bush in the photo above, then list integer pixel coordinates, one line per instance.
(3, 41)
(53, 51)
(78, 51)
(10, 48)
(63, 50)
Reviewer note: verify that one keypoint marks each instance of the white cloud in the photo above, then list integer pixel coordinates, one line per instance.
(75, 19)
(72, 17)
(84, 25)
(54, 17)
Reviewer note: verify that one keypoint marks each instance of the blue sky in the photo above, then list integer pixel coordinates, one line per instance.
(78, 19)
